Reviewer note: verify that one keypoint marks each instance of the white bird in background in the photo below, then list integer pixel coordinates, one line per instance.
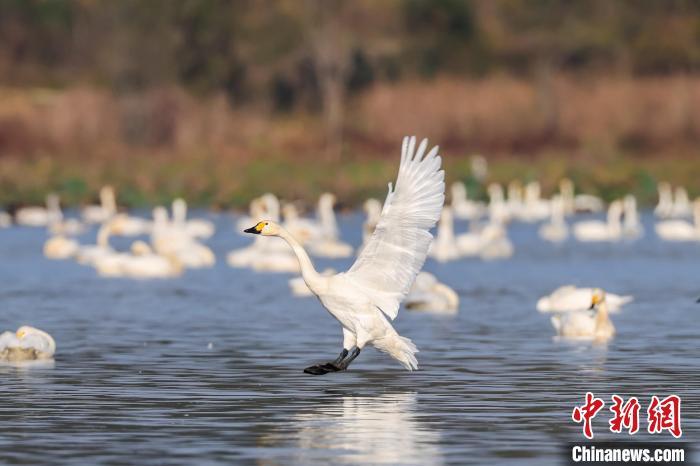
(596, 230)
(556, 230)
(303, 229)
(586, 325)
(171, 240)
(569, 298)
(681, 204)
(631, 226)
(665, 206)
(462, 207)
(498, 209)
(373, 209)
(102, 212)
(495, 243)
(328, 244)
(40, 216)
(196, 228)
(579, 202)
(534, 207)
(141, 263)
(60, 247)
(681, 230)
(27, 344)
(128, 225)
(429, 295)
(87, 255)
(444, 247)
(365, 298)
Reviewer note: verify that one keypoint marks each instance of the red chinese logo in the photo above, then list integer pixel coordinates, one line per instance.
(587, 412)
(662, 415)
(626, 415)
(665, 415)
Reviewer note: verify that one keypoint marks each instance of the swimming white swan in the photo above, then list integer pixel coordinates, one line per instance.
(365, 298)
(328, 243)
(681, 230)
(569, 298)
(631, 226)
(681, 204)
(196, 228)
(580, 202)
(104, 210)
(592, 324)
(498, 209)
(428, 294)
(556, 230)
(60, 247)
(302, 229)
(40, 216)
(170, 240)
(462, 207)
(534, 207)
(489, 242)
(88, 254)
(515, 197)
(27, 344)
(596, 230)
(127, 225)
(665, 206)
(142, 263)
(444, 247)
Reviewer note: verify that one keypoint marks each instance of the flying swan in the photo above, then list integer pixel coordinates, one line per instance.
(367, 297)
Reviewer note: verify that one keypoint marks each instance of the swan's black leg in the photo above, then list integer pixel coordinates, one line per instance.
(333, 366)
(346, 362)
(336, 365)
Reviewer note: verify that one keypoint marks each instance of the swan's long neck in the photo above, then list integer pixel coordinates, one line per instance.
(103, 236)
(327, 217)
(602, 317)
(179, 212)
(614, 220)
(308, 272)
(107, 200)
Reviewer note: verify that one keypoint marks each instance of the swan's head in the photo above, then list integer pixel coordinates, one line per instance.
(265, 228)
(25, 331)
(597, 297)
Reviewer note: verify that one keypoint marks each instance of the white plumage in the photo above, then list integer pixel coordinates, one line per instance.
(364, 298)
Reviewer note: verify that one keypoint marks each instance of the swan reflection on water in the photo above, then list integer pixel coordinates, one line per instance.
(380, 429)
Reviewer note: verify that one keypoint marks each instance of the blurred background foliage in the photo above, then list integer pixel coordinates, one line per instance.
(221, 100)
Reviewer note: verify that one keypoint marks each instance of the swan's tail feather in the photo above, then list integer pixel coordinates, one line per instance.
(400, 348)
(626, 299)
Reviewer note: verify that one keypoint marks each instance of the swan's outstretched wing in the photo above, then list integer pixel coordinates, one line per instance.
(395, 253)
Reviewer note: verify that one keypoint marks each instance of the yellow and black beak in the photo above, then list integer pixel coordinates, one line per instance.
(255, 229)
(594, 300)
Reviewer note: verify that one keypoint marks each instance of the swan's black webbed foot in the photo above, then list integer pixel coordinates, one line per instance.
(340, 364)
(316, 370)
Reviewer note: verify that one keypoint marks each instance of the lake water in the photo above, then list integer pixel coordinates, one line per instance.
(207, 369)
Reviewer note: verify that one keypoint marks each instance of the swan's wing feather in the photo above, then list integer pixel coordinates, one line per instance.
(396, 251)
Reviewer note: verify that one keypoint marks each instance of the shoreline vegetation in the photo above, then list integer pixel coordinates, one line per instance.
(611, 135)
